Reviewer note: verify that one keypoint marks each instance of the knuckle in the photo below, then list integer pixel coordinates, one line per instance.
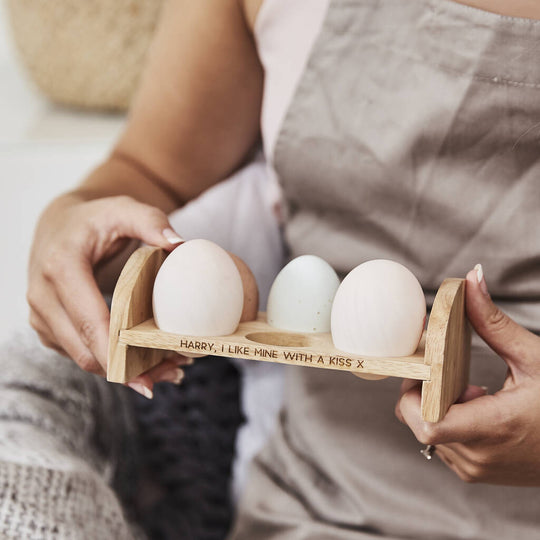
(104, 214)
(53, 267)
(32, 299)
(88, 332)
(114, 201)
(46, 342)
(34, 321)
(154, 214)
(86, 361)
(429, 434)
(497, 320)
(122, 199)
(507, 420)
(49, 268)
(472, 473)
(506, 426)
(481, 461)
(466, 477)
(118, 203)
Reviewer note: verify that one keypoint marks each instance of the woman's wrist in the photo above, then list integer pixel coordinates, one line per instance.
(118, 176)
(121, 175)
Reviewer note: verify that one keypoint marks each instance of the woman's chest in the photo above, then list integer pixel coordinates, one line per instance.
(412, 133)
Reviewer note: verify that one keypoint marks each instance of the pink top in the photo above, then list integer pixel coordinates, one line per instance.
(285, 31)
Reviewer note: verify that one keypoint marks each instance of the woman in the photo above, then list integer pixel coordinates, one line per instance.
(402, 130)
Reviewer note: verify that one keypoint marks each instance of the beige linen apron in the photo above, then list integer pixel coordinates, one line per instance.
(414, 135)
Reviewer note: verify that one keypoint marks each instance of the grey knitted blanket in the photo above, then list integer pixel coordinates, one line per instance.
(60, 447)
(76, 452)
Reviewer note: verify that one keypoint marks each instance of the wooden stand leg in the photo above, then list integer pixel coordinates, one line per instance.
(132, 305)
(448, 350)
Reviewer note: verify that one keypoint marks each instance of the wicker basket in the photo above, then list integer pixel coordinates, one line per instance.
(85, 53)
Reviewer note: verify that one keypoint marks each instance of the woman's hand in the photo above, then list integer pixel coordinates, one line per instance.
(489, 438)
(67, 308)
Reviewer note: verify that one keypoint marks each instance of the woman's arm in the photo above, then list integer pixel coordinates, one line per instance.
(196, 116)
(194, 120)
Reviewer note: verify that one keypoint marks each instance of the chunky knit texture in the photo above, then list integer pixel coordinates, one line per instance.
(62, 438)
(187, 446)
(84, 459)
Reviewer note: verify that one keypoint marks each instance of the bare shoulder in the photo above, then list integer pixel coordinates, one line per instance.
(251, 9)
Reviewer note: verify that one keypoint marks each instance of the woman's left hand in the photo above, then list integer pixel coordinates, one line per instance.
(488, 438)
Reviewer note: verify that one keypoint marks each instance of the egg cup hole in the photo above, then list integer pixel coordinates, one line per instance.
(279, 339)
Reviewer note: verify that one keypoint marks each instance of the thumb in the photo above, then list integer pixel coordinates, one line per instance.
(134, 219)
(516, 345)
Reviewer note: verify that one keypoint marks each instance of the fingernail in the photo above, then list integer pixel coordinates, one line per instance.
(141, 389)
(171, 236)
(174, 376)
(481, 280)
(485, 389)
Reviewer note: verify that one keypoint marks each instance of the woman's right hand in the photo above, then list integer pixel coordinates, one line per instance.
(180, 139)
(72, 238)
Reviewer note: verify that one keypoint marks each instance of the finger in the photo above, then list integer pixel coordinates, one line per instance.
(458, 452)
(41, 327)
(452, 460)
(406, 385)
(459, 464)
(143, 386)
(409, 384)
(181, 360)
(48, 307)
(166, 371)
(85, 307)
(44, 333)
(133, 219)
(472, 392)
(469, 465)
(516, 345)
(480, 418)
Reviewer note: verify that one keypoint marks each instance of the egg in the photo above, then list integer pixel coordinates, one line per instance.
(300, 299)
(251, 290)
(198, 291)
(379, 310)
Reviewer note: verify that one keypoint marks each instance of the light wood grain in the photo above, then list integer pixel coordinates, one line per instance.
(257, 340)
(131, 305)
(448, 350)
(441, 360)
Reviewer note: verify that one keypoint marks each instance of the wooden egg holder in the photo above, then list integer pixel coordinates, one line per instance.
(136, 344)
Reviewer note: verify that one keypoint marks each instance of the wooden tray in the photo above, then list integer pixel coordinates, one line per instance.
(136, 344)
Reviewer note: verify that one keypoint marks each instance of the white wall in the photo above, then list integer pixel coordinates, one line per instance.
(44, 150)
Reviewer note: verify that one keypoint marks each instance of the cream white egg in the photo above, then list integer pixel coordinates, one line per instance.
(301, 296)
(198, 291)
(379, 310)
